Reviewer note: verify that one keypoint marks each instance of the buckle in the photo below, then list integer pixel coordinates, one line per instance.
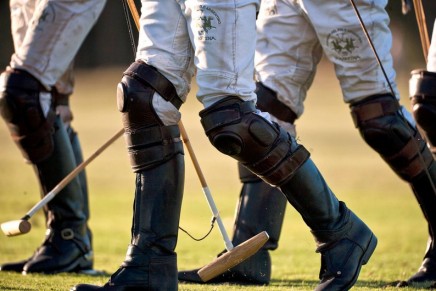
(67, 234)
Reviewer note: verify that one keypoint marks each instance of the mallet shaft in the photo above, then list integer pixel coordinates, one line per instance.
(206, 191)
(61, 185)
(16, 227)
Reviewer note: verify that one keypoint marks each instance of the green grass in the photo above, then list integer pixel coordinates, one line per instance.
(355, 173)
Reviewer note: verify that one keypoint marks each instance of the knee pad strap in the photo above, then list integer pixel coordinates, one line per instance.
(422, 84)
(383, 105)
(152, 146)
(267, 102)
(264, 148)
(149, 142)
(246, 176)
(149, 76)
(389, 134)
(423, 98)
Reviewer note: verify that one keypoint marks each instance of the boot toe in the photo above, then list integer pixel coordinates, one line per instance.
(13, 267)
(86, 287)
(426, 273)
(190, 276)
(49, 261)
(350, 258)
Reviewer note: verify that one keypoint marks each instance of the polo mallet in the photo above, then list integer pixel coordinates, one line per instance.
(422, 26)
(234, 255)
(22, 226)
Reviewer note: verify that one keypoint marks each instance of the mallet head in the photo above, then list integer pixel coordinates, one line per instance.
(233, 257)
(16, 227)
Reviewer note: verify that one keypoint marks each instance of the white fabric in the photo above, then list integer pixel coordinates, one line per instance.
(47, 46)
(175, 36)
(293, 34)
(431, 60)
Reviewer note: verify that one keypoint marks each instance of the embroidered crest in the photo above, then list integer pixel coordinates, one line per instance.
(344, 44)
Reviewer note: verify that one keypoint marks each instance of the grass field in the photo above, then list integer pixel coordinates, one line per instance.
(355, 173)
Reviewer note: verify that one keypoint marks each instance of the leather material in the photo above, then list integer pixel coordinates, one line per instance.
(235, 129)
(388, 133)
(426, 273)
(423, 98)
(423, 188)
(343, 240)
(68, 243)
(261, 207)
(151, 261)
(149, 142)
(267, 101)
(67, 209)
(21, 110)
(14, 266)
(61, 252)
(343, 252)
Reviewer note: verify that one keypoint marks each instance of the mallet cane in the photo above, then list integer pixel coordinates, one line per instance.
(234, 255)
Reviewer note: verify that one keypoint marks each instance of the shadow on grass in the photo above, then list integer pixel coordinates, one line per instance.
(375, 285)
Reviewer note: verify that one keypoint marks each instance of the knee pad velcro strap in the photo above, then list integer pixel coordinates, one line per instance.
(422, 84)
(267, 101)
(149, 142)
(423, 98)
(21, 110)
(150, 77)
(378, 107)
(152, 146)
(246, 176)
(384, 129)
(264, 148)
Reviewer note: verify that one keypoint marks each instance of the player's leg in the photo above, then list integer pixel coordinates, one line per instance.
(28, 110)
(236, 128)
(149, 104)
(383, 123)
(422, 89)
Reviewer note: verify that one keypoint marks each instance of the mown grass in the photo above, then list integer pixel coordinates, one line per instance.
(355, 173)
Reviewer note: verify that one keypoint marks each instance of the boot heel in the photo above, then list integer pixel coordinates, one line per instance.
(370, 249)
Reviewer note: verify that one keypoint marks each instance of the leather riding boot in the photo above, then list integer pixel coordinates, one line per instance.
(67, 246)
(151, 262)
(261, 207)
(78, 155)
(344, 241)
(423, 188)
(18, 266)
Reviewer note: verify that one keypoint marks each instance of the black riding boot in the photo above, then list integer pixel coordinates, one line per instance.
(84, 263)
(423, 97)
(151, 263)
(344, 241)
(77, 149)
(67, 246)
(261, 207)
(424, 191)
